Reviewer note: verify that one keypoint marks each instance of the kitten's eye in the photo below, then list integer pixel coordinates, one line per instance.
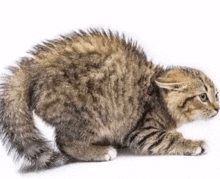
(203, 97)
(216, 96)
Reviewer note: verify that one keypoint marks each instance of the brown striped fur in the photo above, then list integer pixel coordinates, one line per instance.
(99, 91)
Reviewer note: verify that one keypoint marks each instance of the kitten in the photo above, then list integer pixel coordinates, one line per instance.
(100, 92)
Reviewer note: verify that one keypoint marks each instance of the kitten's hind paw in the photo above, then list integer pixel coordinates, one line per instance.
(112, 153)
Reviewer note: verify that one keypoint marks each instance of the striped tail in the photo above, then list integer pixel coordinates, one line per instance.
(17, 129)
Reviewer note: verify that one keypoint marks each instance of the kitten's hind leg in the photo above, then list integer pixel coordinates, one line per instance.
(80, 150)
(80, 145)
(157, 142)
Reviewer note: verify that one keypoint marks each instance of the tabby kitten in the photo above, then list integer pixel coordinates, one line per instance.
(99, 92)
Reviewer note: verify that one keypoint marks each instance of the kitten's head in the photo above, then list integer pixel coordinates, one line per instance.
(188, 94)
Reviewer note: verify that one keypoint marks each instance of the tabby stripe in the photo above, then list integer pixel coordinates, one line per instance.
(170, 144)
(138, 126)
(186, 100)
(158, 142)
(138, 132)
(160, 124)
(204, 84)
(142, 141)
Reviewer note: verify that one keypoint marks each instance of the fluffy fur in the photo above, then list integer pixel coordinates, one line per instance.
(99, 92)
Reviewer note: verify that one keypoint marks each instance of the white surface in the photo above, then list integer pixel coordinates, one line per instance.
(185, 33)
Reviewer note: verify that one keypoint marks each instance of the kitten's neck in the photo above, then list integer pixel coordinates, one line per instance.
(154, 106)
(160, 111)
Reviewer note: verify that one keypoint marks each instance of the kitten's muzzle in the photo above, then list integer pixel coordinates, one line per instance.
(217, 110)
(216, 107)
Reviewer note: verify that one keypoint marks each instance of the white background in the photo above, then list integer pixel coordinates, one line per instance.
(185, 33)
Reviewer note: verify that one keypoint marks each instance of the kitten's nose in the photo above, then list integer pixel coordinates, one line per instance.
(216, 109)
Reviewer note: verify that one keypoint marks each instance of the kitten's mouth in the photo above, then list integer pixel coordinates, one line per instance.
(205, 117)
(214, 115)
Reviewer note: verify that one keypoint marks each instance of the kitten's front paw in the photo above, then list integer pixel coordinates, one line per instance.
(200, 150)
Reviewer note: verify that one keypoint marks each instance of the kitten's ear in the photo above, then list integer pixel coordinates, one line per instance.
(170, 85)
(173, 80)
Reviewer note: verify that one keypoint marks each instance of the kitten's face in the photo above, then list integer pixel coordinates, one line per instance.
(189, 95)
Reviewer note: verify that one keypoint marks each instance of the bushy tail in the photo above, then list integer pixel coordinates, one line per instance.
(17, 129)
